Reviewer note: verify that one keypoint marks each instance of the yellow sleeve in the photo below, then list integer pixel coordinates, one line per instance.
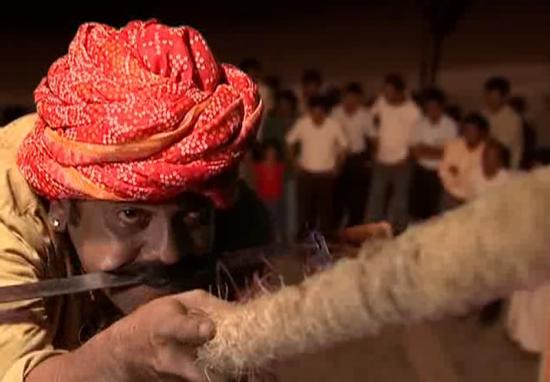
(27, 328)
(19, 370)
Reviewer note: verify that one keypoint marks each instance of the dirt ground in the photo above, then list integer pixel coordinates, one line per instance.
(452, 350)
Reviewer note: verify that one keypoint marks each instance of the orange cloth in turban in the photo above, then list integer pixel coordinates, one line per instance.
(143, 113)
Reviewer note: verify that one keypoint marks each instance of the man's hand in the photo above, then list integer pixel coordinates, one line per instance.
(358, 234)
(160, 339)
(424, 151)
(157, 342)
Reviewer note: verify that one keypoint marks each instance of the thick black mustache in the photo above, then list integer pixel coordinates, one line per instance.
(231, 268)
(192, 272)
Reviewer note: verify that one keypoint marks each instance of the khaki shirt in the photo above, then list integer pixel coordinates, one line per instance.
(30, 331)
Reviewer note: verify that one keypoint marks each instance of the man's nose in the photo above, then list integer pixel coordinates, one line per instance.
(163, 245)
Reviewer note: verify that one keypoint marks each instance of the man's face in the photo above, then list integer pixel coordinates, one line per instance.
(311, 88)
(318, 115)
(434, 110)
(494, 100)
(109, 235)
(351, 102)
(255, 74)
(491, 161)
(391, 94)
(286, 108)
(472, 134)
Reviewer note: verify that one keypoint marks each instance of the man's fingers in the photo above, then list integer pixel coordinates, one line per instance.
(384, 229)
(358, 234)
(201, 300)
(177, 359)
(189, 323)
(192, 328)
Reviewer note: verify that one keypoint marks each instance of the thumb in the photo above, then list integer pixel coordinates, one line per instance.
(202, 301)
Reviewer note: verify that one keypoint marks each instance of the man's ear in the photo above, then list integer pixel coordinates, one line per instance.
(59, 214)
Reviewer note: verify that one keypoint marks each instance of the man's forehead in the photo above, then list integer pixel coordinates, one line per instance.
(184, 200)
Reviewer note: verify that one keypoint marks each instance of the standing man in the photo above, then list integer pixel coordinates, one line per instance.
(462, 160)
(396, 116)
(311, 86)
(322, 145)
(253, 68)
(353, 182)
(434, 131)
(504, 123)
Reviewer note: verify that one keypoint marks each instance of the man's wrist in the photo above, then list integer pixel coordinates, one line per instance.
(104, 354)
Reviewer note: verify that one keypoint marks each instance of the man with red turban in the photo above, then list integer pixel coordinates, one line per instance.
(137, 139)
(131, 159)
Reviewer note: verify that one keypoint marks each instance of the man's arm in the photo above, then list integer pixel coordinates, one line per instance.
(292, 155)
(343, 146)
(516, 146)
(91, 362)
(158, 340)
(447, 171)
(292, 139)
(26, 327)
(369, 132)
(373, 138)
(414, 122)
(341, 138)
(424, 151)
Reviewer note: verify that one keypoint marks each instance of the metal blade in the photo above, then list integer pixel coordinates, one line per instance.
(187, 274)
(68, 285)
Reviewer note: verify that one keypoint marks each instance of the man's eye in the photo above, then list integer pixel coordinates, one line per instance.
(133, 216)
(194, 218)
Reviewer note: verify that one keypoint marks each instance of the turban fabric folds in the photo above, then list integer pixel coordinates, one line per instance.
(141, 113)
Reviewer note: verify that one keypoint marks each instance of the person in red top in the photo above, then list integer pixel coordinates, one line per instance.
(269, 174)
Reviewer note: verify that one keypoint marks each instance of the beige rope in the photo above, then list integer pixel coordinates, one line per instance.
(447, 265)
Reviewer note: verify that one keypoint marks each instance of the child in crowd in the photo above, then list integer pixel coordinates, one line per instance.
(269, 173)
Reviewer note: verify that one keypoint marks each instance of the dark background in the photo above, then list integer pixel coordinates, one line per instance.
(346, 41)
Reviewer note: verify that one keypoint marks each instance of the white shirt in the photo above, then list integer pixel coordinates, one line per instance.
(482, 184)
(396, 129)
(320, 145)
(357, 127)
(506, 127)
(434, 134)
(457, 154)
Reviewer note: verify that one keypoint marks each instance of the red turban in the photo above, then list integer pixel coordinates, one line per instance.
(139, 114)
